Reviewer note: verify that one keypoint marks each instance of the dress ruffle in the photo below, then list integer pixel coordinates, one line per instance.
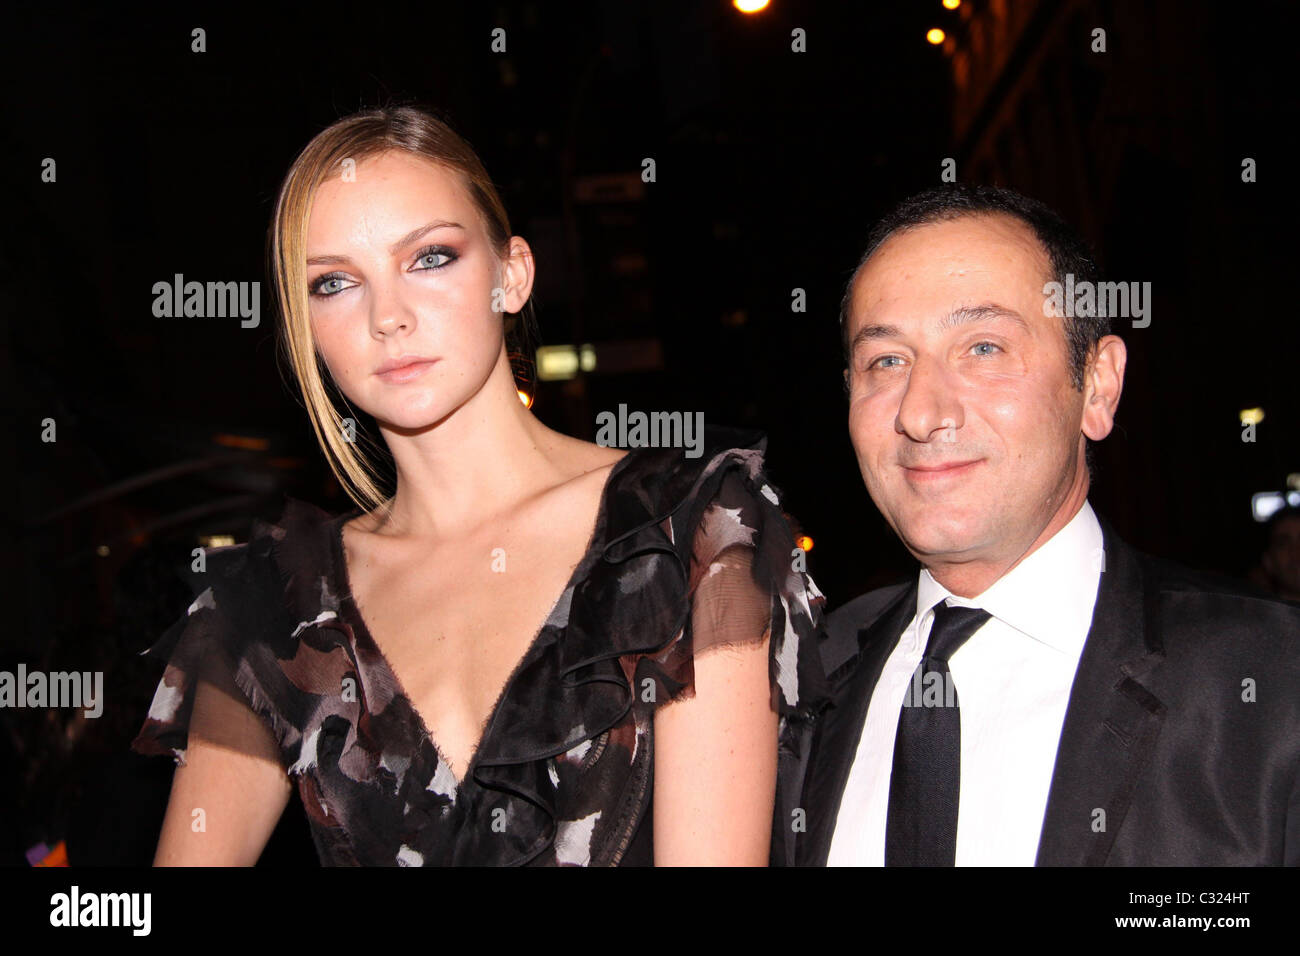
(268, 620)
(234, 635)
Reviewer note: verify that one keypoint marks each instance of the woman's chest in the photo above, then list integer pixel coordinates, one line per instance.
(580, 807)
(453, 630)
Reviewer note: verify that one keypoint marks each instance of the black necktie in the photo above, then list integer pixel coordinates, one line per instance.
(921, 828)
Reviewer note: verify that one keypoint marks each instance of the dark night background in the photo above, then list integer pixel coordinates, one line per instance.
(771, 166)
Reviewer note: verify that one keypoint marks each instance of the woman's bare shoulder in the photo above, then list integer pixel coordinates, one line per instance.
(582, 461)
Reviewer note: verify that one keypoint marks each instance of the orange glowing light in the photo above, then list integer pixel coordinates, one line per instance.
(951, 4)
(804, 542)
(525, 398)
(749, 6)
(242, 441)
(935, 36)
(56, 857)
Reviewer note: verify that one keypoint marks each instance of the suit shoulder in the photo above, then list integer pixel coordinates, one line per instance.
(1172, 578)
(864, 608)
(1201, 606)
(839, 643)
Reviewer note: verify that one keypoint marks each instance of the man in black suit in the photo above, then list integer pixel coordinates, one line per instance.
(1040, 693)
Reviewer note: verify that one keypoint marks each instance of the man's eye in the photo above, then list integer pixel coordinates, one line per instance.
(985, 345)
(884, 362)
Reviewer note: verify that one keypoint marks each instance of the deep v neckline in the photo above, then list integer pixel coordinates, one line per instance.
(399, 690)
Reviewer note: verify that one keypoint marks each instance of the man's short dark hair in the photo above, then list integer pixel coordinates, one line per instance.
(1065, 248)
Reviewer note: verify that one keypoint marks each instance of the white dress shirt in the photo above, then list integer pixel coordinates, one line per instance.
(1013, 679)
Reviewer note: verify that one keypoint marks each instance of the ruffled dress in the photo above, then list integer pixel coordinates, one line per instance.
(686, 554)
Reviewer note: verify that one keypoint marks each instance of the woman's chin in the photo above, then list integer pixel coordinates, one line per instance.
(410, 416)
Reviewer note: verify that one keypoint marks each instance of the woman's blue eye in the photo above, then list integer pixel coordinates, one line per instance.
(440, 257)
(445, 255)
(317, 288)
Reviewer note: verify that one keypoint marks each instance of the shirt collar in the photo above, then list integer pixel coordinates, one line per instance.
(1049, 596)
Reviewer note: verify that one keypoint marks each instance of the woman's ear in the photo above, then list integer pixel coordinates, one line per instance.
(516, 274)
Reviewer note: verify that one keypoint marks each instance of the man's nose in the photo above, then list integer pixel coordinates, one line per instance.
(930, 409)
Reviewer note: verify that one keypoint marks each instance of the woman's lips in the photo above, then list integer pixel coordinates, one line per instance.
(406, 373)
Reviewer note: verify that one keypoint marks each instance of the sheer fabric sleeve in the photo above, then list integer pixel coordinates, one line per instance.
(747, 581)
(202, 694)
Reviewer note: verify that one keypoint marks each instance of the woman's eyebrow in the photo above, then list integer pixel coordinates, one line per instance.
(406, 240)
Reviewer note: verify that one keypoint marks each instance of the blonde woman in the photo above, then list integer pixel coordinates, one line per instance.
(534, 650)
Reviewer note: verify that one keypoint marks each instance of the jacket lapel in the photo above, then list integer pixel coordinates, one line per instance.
(1112, 719)
(840, 729)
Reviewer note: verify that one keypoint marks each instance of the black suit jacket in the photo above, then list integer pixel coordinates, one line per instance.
(1156, 732)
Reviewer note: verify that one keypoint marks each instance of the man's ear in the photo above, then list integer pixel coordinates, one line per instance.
(517, 274)
(1103, 381)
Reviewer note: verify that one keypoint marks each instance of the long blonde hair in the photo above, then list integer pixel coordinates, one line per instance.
(355, 138)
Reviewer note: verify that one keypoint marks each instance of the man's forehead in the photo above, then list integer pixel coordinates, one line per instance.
(997, 237)
(998, 256)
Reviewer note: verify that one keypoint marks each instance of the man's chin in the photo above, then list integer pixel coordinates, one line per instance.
(944, 540)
